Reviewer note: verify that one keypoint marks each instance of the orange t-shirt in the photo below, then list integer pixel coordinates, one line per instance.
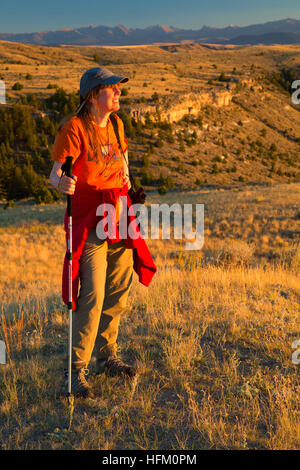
(98, 172)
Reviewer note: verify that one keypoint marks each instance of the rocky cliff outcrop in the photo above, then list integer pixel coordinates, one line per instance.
(173, 109)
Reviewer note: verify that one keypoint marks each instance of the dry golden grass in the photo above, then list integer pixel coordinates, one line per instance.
(212, 337)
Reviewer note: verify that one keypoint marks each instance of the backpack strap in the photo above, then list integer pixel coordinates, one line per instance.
(114, 122)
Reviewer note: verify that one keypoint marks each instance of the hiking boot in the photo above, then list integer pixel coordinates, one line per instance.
(79, 385)
(113, 367)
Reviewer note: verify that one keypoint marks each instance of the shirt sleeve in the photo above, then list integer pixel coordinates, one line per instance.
(67, 143)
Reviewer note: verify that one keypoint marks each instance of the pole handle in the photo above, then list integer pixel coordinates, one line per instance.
(67, 170)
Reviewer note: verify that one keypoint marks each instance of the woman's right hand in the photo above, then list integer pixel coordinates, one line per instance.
(64, 184)
(67, 185)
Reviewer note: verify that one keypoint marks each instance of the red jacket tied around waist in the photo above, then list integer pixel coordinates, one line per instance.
(84, 219)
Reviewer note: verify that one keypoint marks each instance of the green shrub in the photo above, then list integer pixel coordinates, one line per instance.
(96, 58)
(43, 196)
(182, 147)
(10, 204)
(284, 78)
(162, 190)
(145, 162)
(223, 78)
(215, 169)
(17, 86)
(263, 132)
(165, 181)
(148, 121)
(159, 142)
(146, 178)
(136, 181)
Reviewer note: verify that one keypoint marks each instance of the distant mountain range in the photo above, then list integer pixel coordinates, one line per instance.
(286, 31)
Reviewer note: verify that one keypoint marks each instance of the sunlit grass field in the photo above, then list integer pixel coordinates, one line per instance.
(212, 335)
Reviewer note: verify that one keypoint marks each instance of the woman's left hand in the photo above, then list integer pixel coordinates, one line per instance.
(126, 179)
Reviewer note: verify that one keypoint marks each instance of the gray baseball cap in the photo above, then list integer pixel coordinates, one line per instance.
(98, 76)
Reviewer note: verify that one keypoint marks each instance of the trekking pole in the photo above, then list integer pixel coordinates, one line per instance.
(67, 170)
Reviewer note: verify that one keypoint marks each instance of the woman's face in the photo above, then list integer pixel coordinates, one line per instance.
(107, 99)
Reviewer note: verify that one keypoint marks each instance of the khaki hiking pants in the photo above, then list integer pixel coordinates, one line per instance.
(105, 272)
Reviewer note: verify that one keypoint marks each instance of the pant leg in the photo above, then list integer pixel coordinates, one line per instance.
(92, 272)
(119, 276)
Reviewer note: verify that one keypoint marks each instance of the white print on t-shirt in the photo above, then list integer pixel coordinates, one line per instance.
(108, 153)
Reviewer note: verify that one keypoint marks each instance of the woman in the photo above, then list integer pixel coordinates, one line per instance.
(104, 267)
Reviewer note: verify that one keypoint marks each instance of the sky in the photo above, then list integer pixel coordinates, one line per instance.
(27, 16)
